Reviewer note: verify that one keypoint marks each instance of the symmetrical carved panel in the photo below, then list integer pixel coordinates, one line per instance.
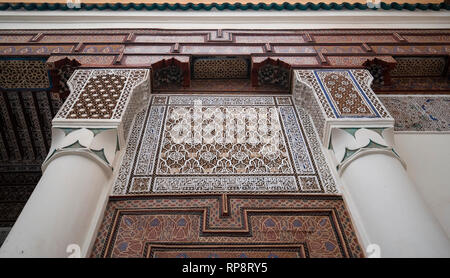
(220, 68)
(227, 226)
(222, 144)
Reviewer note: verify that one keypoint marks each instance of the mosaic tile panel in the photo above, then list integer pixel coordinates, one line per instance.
(419, 66)
(318, 158)
(346, 96)
(221, 100)
(283, 100)
(236, 183)
(99, 97)
(220, 68)
(341, 93)
(419, 113)
(226, 144)
(183, 226)
(100, 94)
(296, 141)
(235, 140)
(20, 73)
(363, 78)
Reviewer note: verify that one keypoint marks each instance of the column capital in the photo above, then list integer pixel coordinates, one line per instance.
(96, 117)
(339, 98)
(101, 144)
(347, 144)
(348, 115)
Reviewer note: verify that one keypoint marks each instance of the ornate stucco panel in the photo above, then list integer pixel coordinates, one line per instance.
(339, 98)
(348, 115)
(95, 118)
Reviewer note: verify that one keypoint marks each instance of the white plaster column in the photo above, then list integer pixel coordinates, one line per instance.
(60, 211)
(63, 214)
(358, 131)
(392, 212)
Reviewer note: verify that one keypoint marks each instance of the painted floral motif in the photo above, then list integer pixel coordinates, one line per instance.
(228, 226)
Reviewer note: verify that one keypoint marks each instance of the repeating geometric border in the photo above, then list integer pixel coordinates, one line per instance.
(224, 6)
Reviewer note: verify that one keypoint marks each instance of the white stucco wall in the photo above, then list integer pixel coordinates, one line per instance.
(428, 164)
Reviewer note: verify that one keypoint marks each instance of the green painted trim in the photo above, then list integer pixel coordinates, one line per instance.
(374, 145)
(101, 155)
(98, 130)
(75, 145)
(67, 130)
(378, 130)
(224, 6)
(371, 145)
(351, 130)
(348, 153)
